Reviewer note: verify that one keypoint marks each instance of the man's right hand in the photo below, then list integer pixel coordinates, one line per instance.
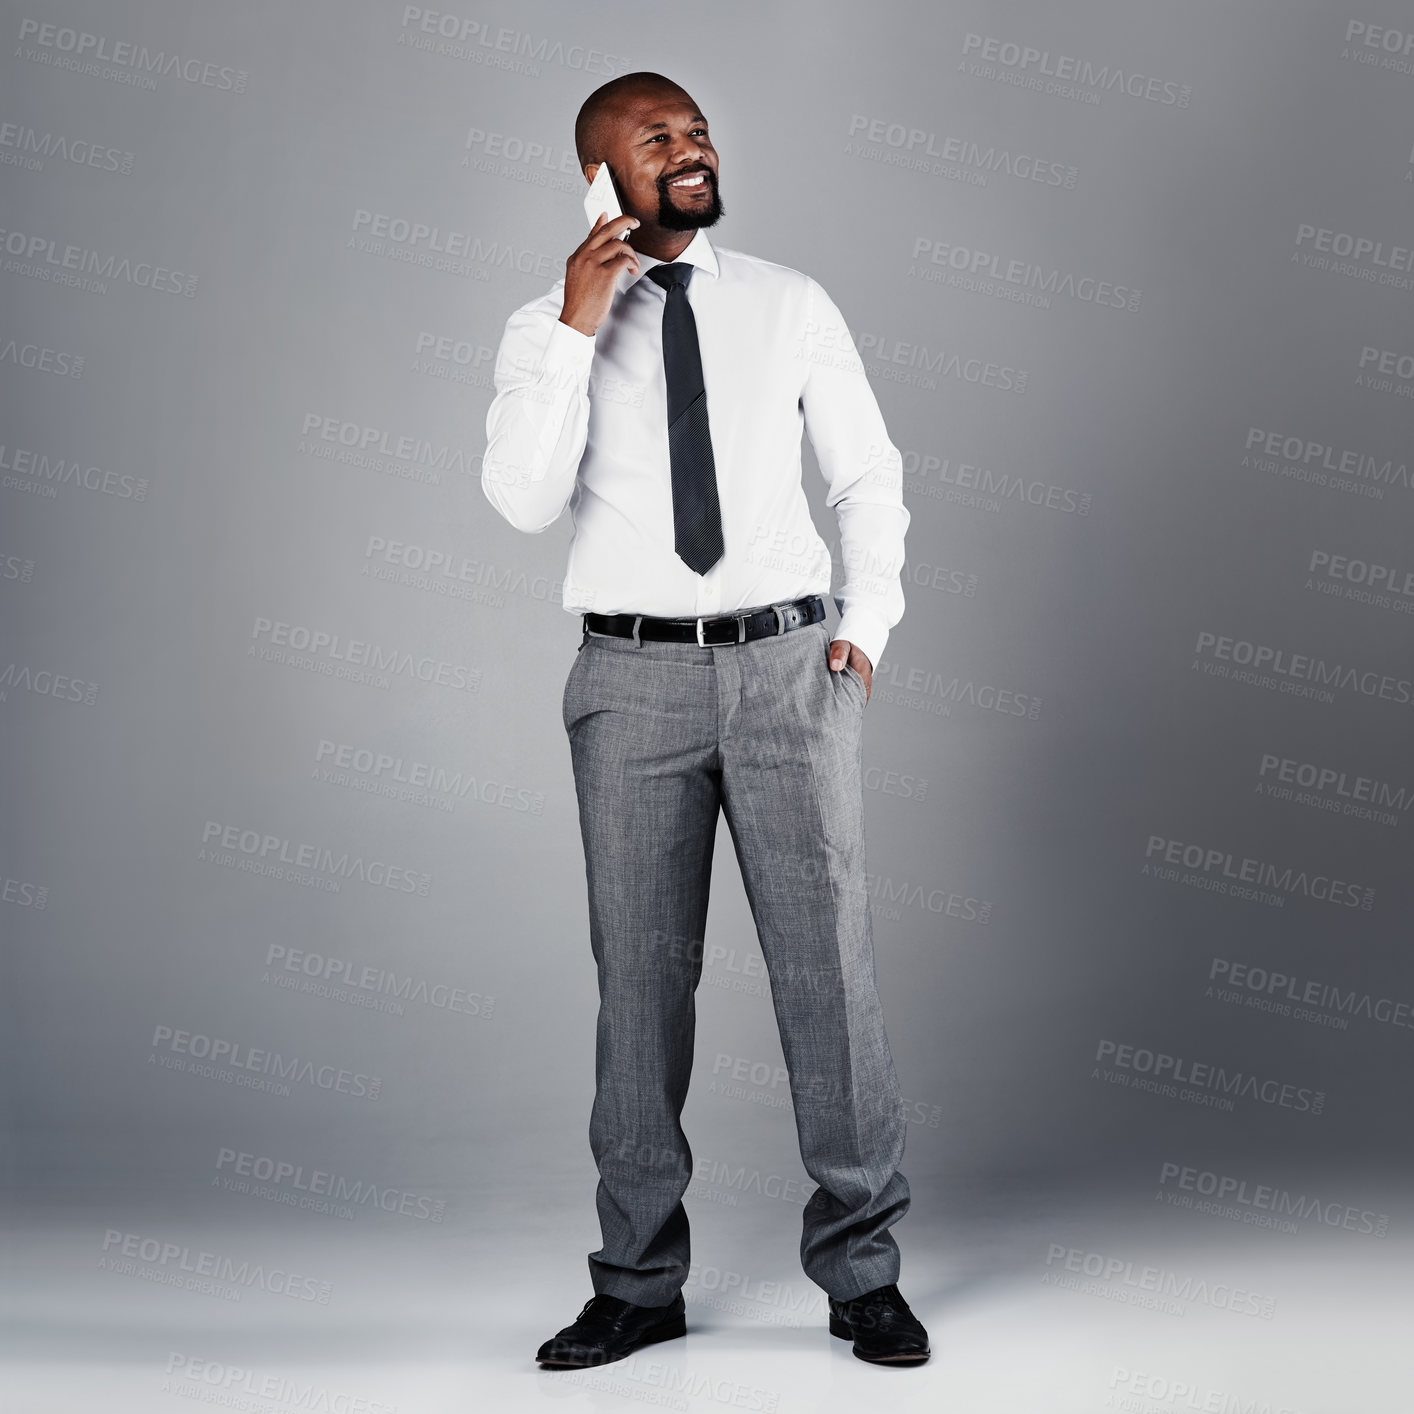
(592, 271)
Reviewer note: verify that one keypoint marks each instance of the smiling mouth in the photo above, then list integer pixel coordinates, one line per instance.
(693, 181)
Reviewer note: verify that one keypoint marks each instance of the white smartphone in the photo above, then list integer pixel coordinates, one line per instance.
(602, 197)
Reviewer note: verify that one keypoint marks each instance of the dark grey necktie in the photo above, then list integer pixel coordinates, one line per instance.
(697, 517)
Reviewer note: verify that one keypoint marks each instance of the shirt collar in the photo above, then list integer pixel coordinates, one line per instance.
(698, 252)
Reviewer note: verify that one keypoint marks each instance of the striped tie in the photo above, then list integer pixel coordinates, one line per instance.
(697, 517)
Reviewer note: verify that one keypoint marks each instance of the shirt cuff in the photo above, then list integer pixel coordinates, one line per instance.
(567, 349)
(866, 631)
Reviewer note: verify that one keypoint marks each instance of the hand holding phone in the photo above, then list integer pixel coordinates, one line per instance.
(592, 271)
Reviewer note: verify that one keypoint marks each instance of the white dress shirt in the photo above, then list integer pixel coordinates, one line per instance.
(581, 420)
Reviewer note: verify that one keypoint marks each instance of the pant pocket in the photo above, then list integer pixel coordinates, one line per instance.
(568, 710)
(854, 676)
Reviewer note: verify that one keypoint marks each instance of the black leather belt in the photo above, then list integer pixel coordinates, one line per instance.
(714, 632)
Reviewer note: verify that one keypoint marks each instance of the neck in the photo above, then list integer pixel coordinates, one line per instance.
(661, 244)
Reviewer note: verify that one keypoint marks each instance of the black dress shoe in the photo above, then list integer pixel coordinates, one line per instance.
(609, 1328)
(884, 1330)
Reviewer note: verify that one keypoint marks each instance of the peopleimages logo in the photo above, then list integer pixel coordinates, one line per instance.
(22, 145)
(1307, 459)
(1038, 64)
(1360, 250)
(889, 896)
(402, 454)
(739, 1179)
(1267, 1199)
(75, 48)
(259, 852)
(176, 1264)
(966, 483)
(36, 357)
(1169, 1072)
(230, 1060)
(918, 149)
(1362, 581)
(44, 682)
(451, 575)
(323, 651)
(320, 1190)
(1222, 867)
(1020, 280)
(1388, 363)
(1391, 41)
(321, 973)
(901, 361)
(1268, 990)
(1162, 1284)
(1138, 1392)
(941, 693)
(45, 258)
(402, 778)
(23, 894)
(237, 1387)
(28, 470)
(430, 244)
(1331, 788)
(459, 37)
(1269, 665)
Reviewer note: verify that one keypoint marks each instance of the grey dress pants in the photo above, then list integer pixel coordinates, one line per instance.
(661, 736)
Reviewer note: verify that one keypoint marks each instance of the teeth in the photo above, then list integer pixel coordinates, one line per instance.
(692, 181)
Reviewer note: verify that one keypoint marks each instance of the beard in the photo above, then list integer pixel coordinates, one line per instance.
(673, 218)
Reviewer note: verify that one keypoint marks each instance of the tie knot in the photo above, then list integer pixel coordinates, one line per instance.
(678, 273)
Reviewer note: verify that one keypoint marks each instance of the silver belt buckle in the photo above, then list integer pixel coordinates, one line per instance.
(740, 618)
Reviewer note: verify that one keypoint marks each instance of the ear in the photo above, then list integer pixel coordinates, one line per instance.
(590, 172)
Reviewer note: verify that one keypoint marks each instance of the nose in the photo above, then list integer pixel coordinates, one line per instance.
(685, 152)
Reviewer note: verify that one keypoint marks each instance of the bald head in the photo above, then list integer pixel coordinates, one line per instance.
(605, 110)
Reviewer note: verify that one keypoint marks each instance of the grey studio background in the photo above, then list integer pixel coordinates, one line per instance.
(300, 1005)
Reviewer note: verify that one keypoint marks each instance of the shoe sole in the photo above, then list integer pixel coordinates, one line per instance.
(913, 1357)
(671, 1329)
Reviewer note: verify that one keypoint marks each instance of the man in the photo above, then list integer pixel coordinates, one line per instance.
(659, 391)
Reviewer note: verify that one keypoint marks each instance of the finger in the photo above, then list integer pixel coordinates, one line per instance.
(609, 231)
(607, 255)
(593, 230)
(592, 241)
